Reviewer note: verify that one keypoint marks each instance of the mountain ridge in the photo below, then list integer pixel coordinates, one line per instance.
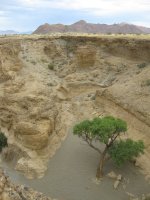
(13, 32)
(82, 26)
(8, 32)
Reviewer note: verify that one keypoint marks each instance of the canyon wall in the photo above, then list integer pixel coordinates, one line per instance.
(49, 83)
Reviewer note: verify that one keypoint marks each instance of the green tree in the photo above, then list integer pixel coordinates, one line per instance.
(3, 141)
(107, 130)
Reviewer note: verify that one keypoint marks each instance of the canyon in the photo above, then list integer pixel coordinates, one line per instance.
(48, 83)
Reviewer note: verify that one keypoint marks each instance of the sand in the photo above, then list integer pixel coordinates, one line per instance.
(71, 176)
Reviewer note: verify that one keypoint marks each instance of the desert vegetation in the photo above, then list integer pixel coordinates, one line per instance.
(51, 66)
(146, 82)
(107, 130)
(3, 141)
(142, 65)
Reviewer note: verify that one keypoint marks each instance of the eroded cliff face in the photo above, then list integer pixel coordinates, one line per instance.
(49, 83)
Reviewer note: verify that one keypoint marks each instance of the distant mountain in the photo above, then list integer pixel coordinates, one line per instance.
(26, 32)
(8, 32)
(11, 32)
(84, 27)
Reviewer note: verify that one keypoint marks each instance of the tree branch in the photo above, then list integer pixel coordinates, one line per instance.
(89, 142)
(112, 140)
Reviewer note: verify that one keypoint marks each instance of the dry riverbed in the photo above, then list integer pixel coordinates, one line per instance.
(71, 176)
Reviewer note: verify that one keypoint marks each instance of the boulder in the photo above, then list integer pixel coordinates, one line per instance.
(33, 136)
(116, 184)
(112, 175)
(119, 177)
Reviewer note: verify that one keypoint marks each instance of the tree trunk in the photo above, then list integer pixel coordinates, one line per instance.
(99, 173)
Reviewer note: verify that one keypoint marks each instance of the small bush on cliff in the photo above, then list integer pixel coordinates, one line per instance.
(107, 130)
(51, 66)
(3, 141)
(142, 65)
(44, 60)
(33, 62)
(145, 83)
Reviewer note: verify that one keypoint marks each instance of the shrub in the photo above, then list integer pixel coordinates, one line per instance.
(43, 60)
(141, 65)
(33, 62)
(3, 141)
(51, 66)
(146, 83)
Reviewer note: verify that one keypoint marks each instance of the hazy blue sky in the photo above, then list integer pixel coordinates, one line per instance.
(24, 15)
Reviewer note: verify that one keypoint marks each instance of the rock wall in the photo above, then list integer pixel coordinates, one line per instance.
(86, 56)
(9, 62)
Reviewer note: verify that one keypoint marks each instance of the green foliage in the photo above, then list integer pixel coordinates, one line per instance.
(33, 62)
(43, 60)
(3, 141)
(125, 150)
(141, 65)
(82, 128)
(107, 130)
(100, 128)
(51, 66)
(146, 83)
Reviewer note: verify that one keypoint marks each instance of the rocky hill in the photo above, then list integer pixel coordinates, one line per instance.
(84, 27)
